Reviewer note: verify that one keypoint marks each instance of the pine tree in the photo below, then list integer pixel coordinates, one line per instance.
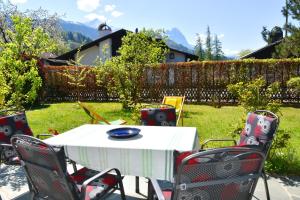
(217, 49)
(199, 51)
(290, 45)
(208, 44)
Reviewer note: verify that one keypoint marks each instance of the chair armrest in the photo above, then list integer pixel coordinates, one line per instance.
(155, 186)
(216, 140)
(102, 173)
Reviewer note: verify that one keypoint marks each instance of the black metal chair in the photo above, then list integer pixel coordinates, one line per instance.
(12, 121)
(46, 171)
(259, 132)
(225, 173)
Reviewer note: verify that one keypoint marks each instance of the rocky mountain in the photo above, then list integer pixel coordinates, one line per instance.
(176, 39)
(75, 39)
(85, 30)
(176, 35)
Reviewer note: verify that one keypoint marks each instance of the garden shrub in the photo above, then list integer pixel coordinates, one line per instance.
(20, 79)
(255, 95)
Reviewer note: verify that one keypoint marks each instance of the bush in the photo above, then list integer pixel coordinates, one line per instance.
(255, 95)
(18, 62)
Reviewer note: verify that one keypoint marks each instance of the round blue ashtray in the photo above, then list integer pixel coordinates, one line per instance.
(123, 132)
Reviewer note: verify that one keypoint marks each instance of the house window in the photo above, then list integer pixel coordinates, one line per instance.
(172, 55)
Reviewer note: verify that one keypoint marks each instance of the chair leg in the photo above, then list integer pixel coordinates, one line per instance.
(137, 184)
(264, 176)
(122, 190)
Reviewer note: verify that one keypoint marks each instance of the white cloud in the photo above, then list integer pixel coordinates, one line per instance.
(87, 5)
(109, 8)
(18, 1)
(93, 16)
(116, 13)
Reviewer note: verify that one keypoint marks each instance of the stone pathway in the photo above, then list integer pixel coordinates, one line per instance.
(13, 186)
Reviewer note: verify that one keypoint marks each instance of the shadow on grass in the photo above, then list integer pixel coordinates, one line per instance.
(38, 107)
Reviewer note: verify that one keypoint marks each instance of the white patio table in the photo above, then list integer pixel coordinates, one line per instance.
(149, 154)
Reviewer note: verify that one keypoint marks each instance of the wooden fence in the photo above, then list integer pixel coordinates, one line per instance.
(198, 81)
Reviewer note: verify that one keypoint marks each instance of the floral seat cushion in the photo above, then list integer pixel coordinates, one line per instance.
(96, 188)
(158, 116)
(13, 124)
(259, 129)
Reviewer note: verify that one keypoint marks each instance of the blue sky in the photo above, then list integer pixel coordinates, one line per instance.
(238, 23)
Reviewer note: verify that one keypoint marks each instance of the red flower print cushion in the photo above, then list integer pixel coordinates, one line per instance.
(258, 129)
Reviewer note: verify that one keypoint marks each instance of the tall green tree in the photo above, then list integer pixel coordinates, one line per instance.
(18, 61)
(290, 45)
(122, 74)
(199, 50)
(272, 36)
(218, 54)
(208, 45)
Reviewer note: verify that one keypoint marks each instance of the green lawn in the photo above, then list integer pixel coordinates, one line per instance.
(210, 122)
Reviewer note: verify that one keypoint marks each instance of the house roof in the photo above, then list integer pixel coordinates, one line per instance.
(71, 53)
(264, 52)
(118, 33)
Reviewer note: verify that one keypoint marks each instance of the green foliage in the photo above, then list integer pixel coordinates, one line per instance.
(244, 52)
(76, 75)
(283, 158)
(294, 83)
(217, 49)
(199, 50)
(254, 95)
(18, 61)
(272, 36)
(208, 44)
(122, 74)
(289, 47)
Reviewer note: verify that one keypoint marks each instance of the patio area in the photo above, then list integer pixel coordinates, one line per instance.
(13, 186)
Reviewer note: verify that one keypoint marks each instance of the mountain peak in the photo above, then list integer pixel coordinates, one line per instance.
(177, 36)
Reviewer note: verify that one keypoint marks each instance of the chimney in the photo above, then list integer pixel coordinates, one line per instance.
(136, 30)
(104, 29)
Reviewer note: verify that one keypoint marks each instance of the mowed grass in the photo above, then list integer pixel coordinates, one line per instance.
(210, 122)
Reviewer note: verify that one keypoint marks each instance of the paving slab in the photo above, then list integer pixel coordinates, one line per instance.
(13, 186)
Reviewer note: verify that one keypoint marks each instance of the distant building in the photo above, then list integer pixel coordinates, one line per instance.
(264, 52)
(107, 45)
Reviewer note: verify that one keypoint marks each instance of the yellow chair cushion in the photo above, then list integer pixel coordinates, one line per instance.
(171, 101)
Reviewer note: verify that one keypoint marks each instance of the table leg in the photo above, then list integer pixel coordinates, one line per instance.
(137, 184)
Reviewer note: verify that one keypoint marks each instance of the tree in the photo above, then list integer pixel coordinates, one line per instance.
(76, 75)
(208, 44)
(18, 61)
(122, 74)
(39, 18)
(199, 51)
(272, 36)
(290, 45)
(217, 49)
(244, 52)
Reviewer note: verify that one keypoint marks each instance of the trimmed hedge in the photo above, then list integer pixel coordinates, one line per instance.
(199, 81)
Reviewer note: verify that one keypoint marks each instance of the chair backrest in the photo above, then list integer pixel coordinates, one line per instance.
(225, 173)
(95, 117)
(260, 129)
(158, 116)
(176, 101)
(13, 122)
(45, 167)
